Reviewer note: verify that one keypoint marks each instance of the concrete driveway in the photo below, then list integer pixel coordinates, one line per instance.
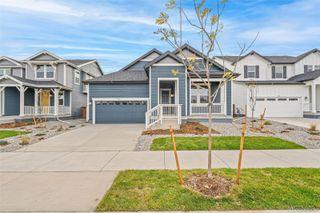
(301, 122)
(102, 137)
(64, 173)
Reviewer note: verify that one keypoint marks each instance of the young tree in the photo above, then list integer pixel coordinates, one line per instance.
(207, 22)
(252, 88)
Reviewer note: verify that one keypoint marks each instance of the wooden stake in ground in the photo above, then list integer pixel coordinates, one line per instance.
(176, 156)
(243, 130)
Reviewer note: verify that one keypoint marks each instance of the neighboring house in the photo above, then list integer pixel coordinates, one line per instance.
(287, 86)
(44, 84)
(146, 91)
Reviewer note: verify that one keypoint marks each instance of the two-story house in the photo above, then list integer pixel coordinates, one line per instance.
(147, 91)
(44, 85)
(286, 86)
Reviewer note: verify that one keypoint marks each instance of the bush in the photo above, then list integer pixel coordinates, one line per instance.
(313, 128)
(24, 140)
(40, 134)
(267, 123)
(3, 143)
(60, 128)
(72, 126)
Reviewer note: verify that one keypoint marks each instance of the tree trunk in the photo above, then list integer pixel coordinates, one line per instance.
(209, 132)
(252, 122)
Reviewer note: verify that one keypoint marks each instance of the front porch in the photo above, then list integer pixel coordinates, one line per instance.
(23, 100)
(312, 106)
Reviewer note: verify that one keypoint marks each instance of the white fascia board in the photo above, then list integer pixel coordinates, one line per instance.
(120, 99)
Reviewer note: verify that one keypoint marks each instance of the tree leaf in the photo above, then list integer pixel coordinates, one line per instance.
(162, 19)
(171, 4)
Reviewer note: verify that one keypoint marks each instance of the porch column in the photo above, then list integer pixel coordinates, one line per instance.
(56, 101)
(36, 99)
(313, 99)
(22, 89)
(1, 101)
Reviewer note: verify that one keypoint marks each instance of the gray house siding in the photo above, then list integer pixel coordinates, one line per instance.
(4, 62)
(12, 101)
(78, 98)
(165, 72)
(117, 91)
(29, 97)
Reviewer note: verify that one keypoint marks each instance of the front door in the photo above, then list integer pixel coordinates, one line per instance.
(165, 97)
(44, 98)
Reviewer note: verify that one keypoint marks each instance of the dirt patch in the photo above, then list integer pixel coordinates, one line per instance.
(186, 128)
(216, 187)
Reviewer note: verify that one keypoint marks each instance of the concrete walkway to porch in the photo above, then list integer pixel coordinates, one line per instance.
(301, 122)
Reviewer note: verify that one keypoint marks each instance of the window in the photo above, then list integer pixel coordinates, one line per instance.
(293, 99)
(4, 71)
(309, 68)
(194, 99)
(259, 99)
(251, 71)
(203, 99)
(49, 71)
(271, 99)
(61, 98)
(316, 67)
(278, 72)
(282, 99)
(77, 77)
(44, 72)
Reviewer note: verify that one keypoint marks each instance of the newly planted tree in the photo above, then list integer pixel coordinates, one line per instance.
(206, 23)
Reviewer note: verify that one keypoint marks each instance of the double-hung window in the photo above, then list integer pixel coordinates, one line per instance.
(77, 77)
(316, 67)
(4, 71)
(278, 72)
(44, 72)
(251, 71)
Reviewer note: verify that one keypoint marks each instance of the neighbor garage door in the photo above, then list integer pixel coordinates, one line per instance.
(120, 111)
(279, 107)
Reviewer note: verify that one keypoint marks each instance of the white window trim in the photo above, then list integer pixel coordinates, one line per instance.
(75, 72)
(255, 71)
(45, 72)
(6, 70)
(280, 70)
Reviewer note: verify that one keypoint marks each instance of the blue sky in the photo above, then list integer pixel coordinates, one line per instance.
(117, 31)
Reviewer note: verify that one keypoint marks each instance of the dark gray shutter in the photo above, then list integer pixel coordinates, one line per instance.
(245, 68)
(284, 71)
(305, 68)
(273, 72)
(257, 71)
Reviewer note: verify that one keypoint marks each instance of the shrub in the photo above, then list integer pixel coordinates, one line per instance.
(267, 123)
(313, 128)
(72, 126)
(24, 140)
(60, 128)
(3, 143)
(40, 134)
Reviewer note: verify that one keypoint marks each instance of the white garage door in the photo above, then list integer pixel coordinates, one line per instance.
(279, 107)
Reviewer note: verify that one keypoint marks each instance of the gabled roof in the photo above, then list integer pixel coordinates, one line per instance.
(308, 76)
(46, 52)
(299, 57)
(197, 52)
(154, 50)
(18, 63)
(272, 59)
(121, 77)
(163, 56)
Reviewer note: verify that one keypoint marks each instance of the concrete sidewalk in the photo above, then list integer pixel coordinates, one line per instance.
(116, 161)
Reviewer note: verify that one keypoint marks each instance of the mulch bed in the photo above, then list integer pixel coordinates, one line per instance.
(15, 125)
(186, 128)
(216, 186)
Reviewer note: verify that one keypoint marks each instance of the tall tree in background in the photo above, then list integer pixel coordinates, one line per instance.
(206, 20)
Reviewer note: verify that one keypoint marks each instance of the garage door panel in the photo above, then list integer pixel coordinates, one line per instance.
(279, 107)
(121, 112)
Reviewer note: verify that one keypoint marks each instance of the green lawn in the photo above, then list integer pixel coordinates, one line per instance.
(224, 143)
(10, 133)
(155, 190)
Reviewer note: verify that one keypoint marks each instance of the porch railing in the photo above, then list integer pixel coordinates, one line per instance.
(46, 110)
(202, 109)
(162, 111)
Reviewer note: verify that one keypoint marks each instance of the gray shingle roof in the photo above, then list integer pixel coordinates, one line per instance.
(121, 76)
(309, 76)
(273, 59)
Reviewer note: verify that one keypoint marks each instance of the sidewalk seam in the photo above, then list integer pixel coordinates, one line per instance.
(106, 164)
